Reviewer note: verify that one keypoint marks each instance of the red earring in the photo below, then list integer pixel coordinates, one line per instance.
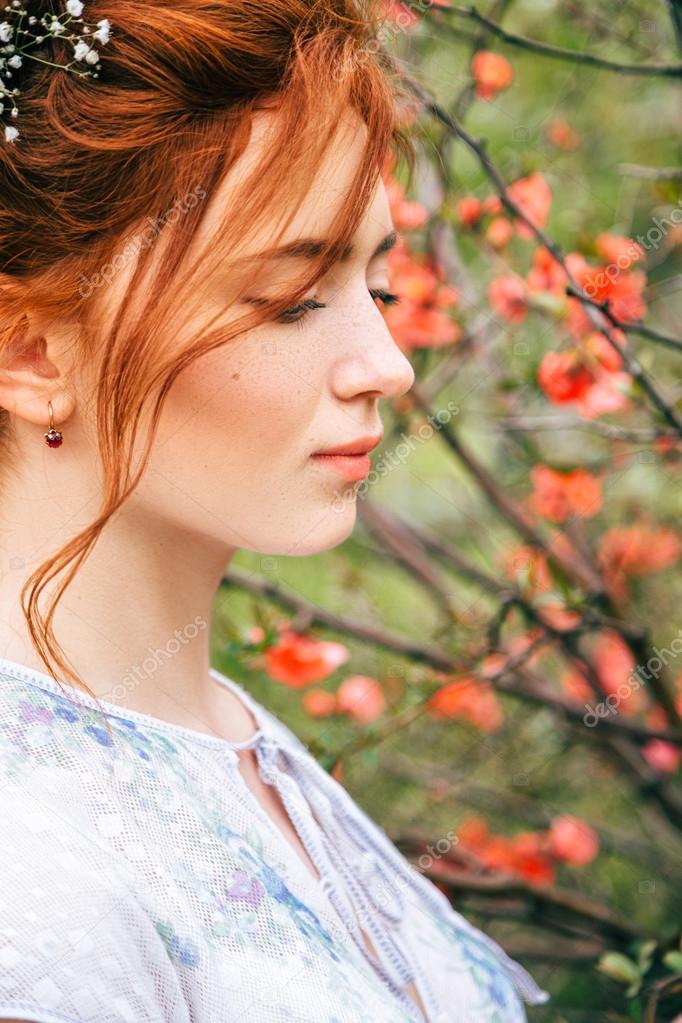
(53, 438)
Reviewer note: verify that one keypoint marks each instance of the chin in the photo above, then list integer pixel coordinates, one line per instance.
(326, 529)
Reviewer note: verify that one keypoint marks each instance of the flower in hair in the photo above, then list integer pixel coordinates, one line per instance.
(20, 32)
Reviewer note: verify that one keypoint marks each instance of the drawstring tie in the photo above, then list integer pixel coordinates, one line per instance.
(377, 881)
(366, 898)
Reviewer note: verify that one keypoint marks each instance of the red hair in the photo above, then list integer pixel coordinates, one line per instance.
(157, 132)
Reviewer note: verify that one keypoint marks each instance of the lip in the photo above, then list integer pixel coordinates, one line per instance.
(361, 446)
(350, 460)
(350, 467)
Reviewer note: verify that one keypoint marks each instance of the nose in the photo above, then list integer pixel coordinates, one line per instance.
(371, 364)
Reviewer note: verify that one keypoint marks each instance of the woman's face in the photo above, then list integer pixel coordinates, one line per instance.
(235, 458)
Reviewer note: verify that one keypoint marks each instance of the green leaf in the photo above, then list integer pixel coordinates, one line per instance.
(674, 961)
(619, 967)
(645, 954)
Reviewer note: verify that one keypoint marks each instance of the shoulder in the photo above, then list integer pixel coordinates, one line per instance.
(76, 943)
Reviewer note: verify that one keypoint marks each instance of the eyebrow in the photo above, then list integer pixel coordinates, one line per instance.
(309, 248)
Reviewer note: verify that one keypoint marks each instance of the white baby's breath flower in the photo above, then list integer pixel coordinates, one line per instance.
(102, 33)
(81, 49)
(51, 27)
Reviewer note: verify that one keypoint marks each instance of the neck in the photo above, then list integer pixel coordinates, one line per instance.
(135, 620)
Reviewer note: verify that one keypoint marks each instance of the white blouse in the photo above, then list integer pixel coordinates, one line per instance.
(143, 882)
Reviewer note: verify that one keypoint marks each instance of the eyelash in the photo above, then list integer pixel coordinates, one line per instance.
(387, 297)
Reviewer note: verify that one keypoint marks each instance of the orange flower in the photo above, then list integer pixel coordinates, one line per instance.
(298, 660)
(361, 697)
(527, 567)
(640, 549)
(574, 684)
(636, 550)
(469, 210)
(662, 755)
(469, 699)
(508, 296)
(492, 73)
(622, 288)
(400, 14)
(407, 215)
(499, 232)
(615, 664)
(414, 326)
(522, 855)
(417, 320)
(546, 274)
(577, 376)
(560, 494)
(319, 703)
(614, 248)
(561, 134)
(572, 840)
(534, 197)
(492, 205)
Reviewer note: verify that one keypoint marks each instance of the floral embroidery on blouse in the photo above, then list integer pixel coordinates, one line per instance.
(226, 901)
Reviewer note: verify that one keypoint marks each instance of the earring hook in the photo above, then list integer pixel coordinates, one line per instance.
(53, 438)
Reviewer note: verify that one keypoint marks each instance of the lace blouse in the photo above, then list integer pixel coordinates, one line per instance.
(141, 881)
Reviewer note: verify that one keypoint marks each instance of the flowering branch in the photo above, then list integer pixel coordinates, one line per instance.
(557, 52)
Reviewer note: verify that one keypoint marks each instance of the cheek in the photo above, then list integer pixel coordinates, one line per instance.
(241, 417)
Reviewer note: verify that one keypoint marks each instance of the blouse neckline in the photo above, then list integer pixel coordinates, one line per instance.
(24, 673)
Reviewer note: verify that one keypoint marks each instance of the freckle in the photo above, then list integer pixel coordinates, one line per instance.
(235, 376)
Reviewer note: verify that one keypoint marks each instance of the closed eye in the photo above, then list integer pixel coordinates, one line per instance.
(297, 312)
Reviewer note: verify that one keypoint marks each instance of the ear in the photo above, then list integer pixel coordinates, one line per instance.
(33, 371)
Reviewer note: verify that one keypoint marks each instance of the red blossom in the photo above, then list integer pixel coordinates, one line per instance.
(418, 321)
(319, 703)
(572, 840)
(492, 73)
(362, 697)
(470, 699)
(508, 296)
(407, 214)
(469, 210)
(534, 197)
(298, 660)
(499, 232)
(561, 134)
(557, 495)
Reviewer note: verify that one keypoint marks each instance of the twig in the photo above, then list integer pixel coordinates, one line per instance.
(582, 574)
(628, 328)
(598, 318)
(638, 170)
(566, 422)
(536, 813)
(558, 52)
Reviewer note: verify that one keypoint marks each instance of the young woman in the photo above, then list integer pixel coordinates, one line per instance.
(192, 250)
